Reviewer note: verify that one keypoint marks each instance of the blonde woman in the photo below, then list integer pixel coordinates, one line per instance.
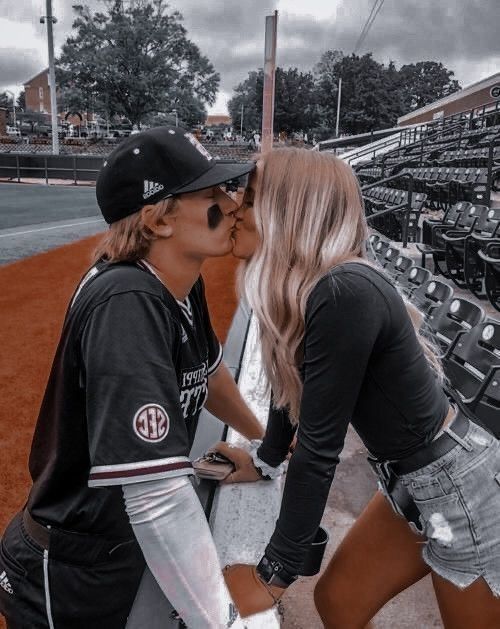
(339, 347)
(137, 361)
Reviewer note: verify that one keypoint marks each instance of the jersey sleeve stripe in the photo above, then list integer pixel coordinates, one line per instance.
(134, 472)
(217, 362)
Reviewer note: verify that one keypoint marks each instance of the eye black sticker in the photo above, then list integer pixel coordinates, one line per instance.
(214, 216)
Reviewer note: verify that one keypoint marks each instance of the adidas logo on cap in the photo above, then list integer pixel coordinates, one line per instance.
(4, 583)
(150, 188)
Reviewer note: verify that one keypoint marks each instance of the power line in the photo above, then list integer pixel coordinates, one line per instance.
(377, 5)
(363, 30)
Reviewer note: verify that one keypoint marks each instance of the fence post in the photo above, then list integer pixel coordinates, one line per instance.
(407, 212)
(18, 171)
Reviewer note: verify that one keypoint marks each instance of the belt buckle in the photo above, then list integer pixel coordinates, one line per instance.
(386, 475)
(383, 470)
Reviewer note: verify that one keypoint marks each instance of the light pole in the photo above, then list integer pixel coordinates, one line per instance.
(13, 106)
(241, 125)
(50, 20)
(339, 96)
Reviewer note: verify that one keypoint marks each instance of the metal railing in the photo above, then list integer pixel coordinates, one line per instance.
(405, 207)
(75, 168)
(71, 168)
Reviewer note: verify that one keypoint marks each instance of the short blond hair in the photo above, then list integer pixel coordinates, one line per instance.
(129, 239)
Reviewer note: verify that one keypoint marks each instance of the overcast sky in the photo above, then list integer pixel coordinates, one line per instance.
(463, 34)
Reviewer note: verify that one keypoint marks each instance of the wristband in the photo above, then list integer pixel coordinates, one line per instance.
(273, 573)
(266, 471)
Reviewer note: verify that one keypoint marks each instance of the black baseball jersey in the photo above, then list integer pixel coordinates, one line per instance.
(126, 388)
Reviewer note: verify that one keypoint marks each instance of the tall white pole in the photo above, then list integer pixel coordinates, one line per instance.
(269, 73)
(241, 122)
(13, 106)
(52, 79)
(338, 108)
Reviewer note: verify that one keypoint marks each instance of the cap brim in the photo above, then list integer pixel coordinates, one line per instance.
(219, 173)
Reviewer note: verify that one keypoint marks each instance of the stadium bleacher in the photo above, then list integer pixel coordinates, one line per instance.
(440, 194)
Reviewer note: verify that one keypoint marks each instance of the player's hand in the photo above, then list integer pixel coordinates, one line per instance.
(292, 447)
(244, 471)
(249, 593)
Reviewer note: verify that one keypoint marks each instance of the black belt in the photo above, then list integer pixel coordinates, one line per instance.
(437, 448)
(72, 546)
(389, 472)
(37, 531)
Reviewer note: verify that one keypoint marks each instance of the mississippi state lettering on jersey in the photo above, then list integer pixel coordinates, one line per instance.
(127, 385)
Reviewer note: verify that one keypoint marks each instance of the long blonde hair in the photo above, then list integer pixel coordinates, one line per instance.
(129, 239)
(310, 217)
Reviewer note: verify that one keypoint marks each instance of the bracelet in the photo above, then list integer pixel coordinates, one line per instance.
(267, 472)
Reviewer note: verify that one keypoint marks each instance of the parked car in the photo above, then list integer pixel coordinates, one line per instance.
(13, 131)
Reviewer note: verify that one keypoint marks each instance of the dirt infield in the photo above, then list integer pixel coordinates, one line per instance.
(33, 297)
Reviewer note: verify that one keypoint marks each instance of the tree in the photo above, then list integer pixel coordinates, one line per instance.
(367, 98)
(134, 60)
(21, 100)
(5, 100)
(249, 95)
(294, 102)
(424, 82)
(295, 107)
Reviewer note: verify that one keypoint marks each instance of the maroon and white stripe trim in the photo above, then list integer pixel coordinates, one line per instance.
(217, 362)
(128, 473)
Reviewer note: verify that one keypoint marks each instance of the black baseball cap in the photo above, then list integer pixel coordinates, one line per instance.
(156, 164)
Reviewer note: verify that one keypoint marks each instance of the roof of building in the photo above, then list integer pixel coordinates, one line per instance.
(214, 119)
(46, 71)
(466, 91)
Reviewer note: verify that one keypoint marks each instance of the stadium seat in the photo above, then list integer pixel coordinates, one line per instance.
(449, 219)
(463, 226)
(486, 231)
(430, 295)
(390, 255)
(491, 258)
(453, 316)
(455, 242)
(398, 265)
(412, 279)
(472, 366)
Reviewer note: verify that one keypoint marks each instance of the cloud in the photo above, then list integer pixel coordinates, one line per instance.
(18, 66)
(463, 34)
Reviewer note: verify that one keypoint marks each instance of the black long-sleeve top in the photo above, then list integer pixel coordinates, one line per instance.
(362, 365)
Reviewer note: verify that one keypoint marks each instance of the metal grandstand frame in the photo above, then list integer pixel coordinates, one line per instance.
(431, 129)
(404, 207)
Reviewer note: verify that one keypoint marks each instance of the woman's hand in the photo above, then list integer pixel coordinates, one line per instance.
(249, 593)
(245, 471)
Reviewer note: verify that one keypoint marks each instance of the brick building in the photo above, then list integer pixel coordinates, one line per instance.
(473, 96)
(216, 119)
(37, 92)
(3, 121)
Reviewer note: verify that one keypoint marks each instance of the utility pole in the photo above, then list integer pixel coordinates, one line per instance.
(339, 96)
(49, 19)
(241, 124)
(13, 107)
(269, 73)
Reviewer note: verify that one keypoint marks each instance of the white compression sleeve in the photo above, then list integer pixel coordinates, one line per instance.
(173, 533)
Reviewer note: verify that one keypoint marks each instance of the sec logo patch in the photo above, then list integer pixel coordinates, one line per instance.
(151, 423)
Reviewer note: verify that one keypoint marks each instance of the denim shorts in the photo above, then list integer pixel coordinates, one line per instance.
(458, 497)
